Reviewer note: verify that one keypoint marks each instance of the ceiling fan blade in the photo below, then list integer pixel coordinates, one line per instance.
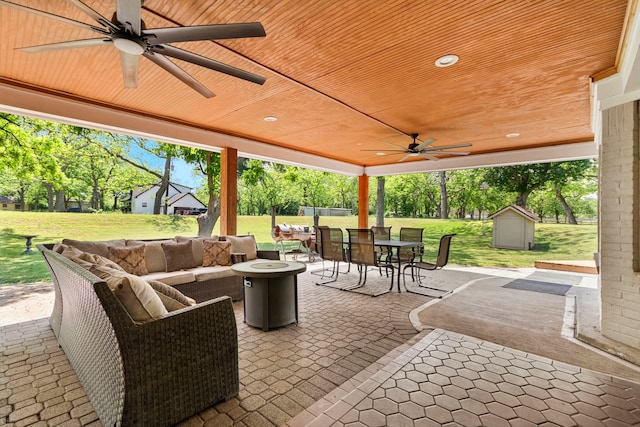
(425, 144)
(52, 16)
(395, 145)
(93, 14)
(129, 69)
(179, 73)
(128, 15)
(174, 52)
(430, 157)
(455, 153)
(405, 157)
(388, 151)
(66, 45)
(446, 147)
(204, 32)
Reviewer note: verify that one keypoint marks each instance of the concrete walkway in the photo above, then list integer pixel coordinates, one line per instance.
(352, 360)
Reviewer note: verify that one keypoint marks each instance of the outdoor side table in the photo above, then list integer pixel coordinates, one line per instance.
(270, 292)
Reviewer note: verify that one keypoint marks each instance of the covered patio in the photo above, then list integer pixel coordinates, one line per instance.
(370, 361)
(535, 82)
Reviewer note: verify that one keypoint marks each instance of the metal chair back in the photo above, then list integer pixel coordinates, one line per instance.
(361, 246)
(443, 250)
(381, 233)
(409, 234)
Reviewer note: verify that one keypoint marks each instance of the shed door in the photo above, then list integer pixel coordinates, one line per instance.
(509, 233)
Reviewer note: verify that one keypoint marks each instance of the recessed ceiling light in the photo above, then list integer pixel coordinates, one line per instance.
(512, 135)
(380, 153)
(446, 60)
(270, 118)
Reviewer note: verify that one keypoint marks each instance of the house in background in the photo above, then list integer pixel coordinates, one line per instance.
(8, 203)
(179, 200)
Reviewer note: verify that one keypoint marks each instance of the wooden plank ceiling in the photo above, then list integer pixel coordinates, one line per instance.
(345, 76)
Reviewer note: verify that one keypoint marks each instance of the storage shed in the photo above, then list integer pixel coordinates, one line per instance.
(514, 228)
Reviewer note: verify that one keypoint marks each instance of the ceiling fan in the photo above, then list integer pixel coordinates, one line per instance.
(423, 149)
(127, 32)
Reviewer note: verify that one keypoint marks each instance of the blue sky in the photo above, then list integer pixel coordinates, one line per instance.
(181, 173)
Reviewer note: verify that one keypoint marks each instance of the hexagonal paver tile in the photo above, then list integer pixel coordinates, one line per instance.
(411, 410)
(438, 414)
(372, 418)
(385, 406)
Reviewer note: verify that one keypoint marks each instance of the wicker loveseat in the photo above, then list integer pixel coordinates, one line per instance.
(142, 374)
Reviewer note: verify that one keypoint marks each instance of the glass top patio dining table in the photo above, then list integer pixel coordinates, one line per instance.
(397, 245)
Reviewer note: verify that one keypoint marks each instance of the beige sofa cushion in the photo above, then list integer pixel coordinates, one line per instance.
(244, 245)
(130, 258)
(97, 259)
(197, 246)
(84, 259)
(136, 295)
(171, 278)
(208, 273)
(216, 253)
(178, 255)
(153, 254)
(100, 248)
(170, 297)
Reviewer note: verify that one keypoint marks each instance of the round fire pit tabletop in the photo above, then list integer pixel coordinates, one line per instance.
(268, 268)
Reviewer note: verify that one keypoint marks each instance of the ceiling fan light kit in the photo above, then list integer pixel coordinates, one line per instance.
(423, 149)
(128, 34)
(128, 45)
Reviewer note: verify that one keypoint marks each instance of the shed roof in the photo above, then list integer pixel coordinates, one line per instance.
(517, 209)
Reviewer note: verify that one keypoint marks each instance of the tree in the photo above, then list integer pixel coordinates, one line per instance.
(208, 163)
(380, 201)
(444, 205)
(524, 179)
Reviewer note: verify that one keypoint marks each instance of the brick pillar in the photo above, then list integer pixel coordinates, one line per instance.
(228, 192)
(619, 218)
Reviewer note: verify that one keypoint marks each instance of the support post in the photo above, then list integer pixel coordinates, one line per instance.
(228, 192)
(363, 201)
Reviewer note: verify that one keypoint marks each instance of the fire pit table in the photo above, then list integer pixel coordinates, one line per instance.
(270, 292)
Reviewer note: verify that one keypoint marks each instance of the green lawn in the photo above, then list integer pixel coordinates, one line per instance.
(469, 247)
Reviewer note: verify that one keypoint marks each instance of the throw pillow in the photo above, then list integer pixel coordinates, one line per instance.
(178, 256)
(216, 253)
(243, 245)
(86, 257)
(171, 297)
(197, 246)
(137, 296)
(130, 258)
(153, 254)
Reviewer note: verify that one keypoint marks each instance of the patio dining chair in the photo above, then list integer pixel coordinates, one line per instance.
(409, 254)
(382, 233)
(362, 252)
(330, 247)
(441, 261)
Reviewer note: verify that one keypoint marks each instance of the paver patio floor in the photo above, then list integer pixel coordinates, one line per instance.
(351, 360)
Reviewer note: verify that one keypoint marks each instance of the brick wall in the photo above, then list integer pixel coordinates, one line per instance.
(619, 281)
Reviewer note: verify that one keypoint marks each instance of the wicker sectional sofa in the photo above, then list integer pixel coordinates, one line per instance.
(146, 354)
(197, 282)
(142, 374)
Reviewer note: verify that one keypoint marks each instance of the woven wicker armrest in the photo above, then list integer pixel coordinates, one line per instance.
(178, 365)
